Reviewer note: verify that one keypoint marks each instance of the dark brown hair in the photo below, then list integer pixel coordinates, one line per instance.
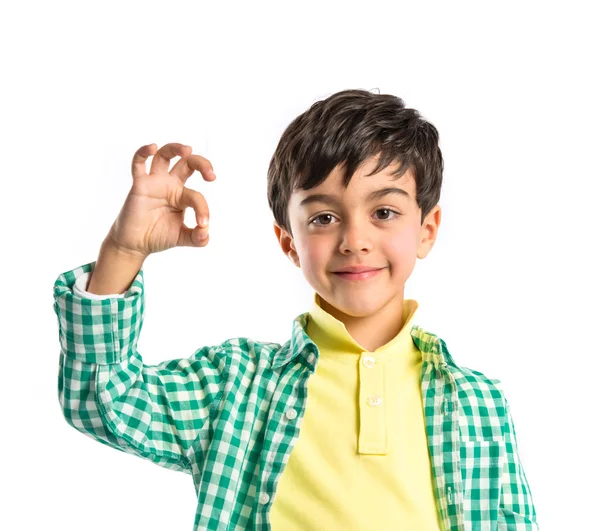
(347, 128)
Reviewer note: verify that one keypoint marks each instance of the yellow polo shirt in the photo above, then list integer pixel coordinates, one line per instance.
(361, 461)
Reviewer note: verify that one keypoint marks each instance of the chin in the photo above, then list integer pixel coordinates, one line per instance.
(359, 307)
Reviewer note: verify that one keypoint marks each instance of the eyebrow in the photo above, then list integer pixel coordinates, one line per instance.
(332, 200)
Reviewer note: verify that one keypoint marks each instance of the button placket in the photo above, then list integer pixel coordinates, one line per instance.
(373, 432)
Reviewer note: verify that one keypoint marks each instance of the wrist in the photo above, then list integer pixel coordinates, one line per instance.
(115, 269)
(112, 249)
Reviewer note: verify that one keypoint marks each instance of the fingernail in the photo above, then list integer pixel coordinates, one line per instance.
(204, 222)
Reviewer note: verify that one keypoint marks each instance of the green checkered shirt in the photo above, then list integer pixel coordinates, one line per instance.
(220, 414)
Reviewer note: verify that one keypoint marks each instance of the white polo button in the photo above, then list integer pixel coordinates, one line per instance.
(263, 498)
(291, 414)
(374, 400)
(311, 358)
(368, 361)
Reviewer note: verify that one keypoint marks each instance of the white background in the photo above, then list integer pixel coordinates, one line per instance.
(511, 284)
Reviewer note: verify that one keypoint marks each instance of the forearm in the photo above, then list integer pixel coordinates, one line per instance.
(114, 271)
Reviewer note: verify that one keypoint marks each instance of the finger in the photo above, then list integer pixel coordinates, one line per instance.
(186, 166)
(162, 159)
(192, 238)
(138, 164)
(194, 199)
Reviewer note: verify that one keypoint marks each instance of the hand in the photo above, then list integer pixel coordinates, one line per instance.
(151, 219)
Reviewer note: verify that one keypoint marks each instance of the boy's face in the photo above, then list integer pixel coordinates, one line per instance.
(352, 229)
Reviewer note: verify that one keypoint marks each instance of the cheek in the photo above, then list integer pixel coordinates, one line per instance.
(316, 253)
(313, 253)
(402, 244)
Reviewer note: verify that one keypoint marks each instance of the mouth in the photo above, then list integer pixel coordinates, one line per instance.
(363, 275)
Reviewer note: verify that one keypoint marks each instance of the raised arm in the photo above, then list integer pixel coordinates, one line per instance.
(105, 389)
(108, 393)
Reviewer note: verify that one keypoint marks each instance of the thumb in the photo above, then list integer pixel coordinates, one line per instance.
(196, 237)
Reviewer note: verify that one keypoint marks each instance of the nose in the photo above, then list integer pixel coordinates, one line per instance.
(355, 238)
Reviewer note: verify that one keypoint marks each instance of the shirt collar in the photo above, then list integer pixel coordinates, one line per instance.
(332, 336)
(433, 349)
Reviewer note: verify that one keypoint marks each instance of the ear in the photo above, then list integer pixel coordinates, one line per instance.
(429, 231)
(286, 242)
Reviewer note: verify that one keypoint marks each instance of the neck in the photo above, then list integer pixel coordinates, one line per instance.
(375, 330)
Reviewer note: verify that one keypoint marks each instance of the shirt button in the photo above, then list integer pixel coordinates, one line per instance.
(368, 361)
(374, 400)
(263, 498)
(291, 414)
(311, 358)
(445, 406)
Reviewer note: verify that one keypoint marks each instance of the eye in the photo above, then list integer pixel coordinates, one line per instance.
(388, 210)
(319, 217)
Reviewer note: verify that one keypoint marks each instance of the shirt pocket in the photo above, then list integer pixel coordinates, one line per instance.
(482, 463)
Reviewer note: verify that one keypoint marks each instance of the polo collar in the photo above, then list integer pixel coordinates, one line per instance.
(433, 348)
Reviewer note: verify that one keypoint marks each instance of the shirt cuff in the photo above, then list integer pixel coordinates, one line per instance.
(101, 329)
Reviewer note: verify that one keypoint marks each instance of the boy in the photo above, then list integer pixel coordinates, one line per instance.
(362, 420)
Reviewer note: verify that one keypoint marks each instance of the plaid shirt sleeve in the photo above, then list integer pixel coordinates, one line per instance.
(517, 512)
(109, 394)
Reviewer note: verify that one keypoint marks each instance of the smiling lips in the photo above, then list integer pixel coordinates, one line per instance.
(358, 272)
(356, 269)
